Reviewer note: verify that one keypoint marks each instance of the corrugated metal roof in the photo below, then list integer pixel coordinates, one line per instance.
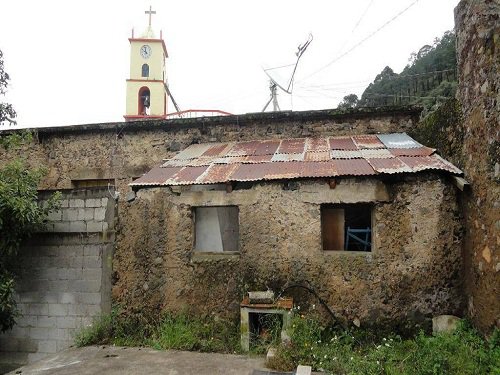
(360, 155)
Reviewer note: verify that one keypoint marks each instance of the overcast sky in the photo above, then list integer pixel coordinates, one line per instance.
(68, 60)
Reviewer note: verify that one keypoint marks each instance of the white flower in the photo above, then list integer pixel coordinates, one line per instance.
(378, 363)
(325, 356)
(352, 358)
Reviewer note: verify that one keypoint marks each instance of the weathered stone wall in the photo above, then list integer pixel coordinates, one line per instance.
(65, 277)
(413, 272)
(478, 48)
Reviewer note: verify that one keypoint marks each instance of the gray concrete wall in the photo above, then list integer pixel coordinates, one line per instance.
(64, 277)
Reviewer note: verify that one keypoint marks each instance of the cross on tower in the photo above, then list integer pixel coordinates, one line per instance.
(150, 12)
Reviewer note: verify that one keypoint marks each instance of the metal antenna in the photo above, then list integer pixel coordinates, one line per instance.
(273, 84)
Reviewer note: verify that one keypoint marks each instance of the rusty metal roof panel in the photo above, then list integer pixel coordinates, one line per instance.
(389, 165)
(398, 140)
(345, 154)
(296, 158)
(216, 150)
(292, 146)
(375, 153)
(186, 176)
(217, 173)
(317, 156)
(317, 145)
(288, 157)
(267, 147)
(193, 151)
(342, 143)
(418, 151)
(367, 141)
(156, 176)
(353, 167)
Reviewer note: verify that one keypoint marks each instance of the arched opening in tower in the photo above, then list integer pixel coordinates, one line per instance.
(144, 100)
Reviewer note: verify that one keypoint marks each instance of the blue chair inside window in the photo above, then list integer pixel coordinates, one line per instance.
(359, 235)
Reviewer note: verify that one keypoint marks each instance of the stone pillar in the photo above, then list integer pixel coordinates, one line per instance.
(477, 24)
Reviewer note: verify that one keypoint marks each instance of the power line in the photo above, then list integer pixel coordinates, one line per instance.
(356, 25)
(361, 41)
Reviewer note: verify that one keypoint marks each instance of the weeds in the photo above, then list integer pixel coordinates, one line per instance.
(182, 332)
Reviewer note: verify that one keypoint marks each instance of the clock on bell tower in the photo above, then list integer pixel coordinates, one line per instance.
(146, 87)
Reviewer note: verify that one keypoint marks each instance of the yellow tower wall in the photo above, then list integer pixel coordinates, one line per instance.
(157, 100)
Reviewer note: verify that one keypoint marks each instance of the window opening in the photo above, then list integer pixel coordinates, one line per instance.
(144, 101)
(347, 227)
(216, 229)
(80, 184)
(145, 70)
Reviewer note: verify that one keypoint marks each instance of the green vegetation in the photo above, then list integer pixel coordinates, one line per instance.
(365, 352)
(428, 79)
(20, 214)
(181, 331)
(356, 351)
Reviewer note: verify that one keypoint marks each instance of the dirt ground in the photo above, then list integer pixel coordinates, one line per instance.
(127, 361)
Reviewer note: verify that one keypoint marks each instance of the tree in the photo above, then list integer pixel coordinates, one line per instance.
(349, 101)
(20, 213)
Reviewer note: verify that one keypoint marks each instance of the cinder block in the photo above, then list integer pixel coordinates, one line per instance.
(91, 250)
(100, 214)
(86, 285)
(27, 321)
(58, 285)
(89, 298)
(49, 297)
(39, 333)
(70, 214)
(38, 309)
(92, 274)
(104, 202)
(94, 226)
(55, 215)
(47, 346)
(92, 262)
(19, 332)
(67, 298)
(32, 297)
(76, 203)
(58, 309)
(62, 226)
(93, 202)
(76, 262)
(50, 273)
(105, 225)
(9, 344)
(77, 226)
(59, 334)
(74, 273)
(47, 322)
(86, 214)
(67, 322)
(64, 203)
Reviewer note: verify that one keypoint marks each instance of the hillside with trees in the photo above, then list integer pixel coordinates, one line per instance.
(429, 78)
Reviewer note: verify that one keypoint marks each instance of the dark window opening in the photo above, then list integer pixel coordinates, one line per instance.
(144, 101)
(347, 227)
(216, 229)
(145, 70)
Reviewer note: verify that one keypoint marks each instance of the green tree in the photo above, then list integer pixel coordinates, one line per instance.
(349, 101)
(20, 213)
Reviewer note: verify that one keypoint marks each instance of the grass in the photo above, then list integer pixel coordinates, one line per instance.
(181, 331)
(364, 352)
(358, 351)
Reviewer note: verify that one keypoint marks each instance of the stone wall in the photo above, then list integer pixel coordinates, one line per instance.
(413, 272)
(65, 277)
(478, 49)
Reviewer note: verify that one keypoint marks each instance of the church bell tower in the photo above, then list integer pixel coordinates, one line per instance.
(146, 88)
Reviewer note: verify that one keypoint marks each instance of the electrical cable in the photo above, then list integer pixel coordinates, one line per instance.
(361, 41)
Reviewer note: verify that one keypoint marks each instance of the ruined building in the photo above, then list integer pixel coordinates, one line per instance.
(193, 213)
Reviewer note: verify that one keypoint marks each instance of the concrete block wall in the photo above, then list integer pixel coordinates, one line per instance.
(64, 279)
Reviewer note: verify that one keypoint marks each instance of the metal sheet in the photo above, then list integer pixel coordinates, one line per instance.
(217, 173)
(394, 165)
(419, 151)
(317, 144)
(268, 171)
(254, 159)
(217, 150)
(156, 176)
(317, 156)
(292, 146)
(186, 176)
(342, 143)
(267, 147)
(367, 141)
(345, 154)
(398, 140)
(375, 153)
(288, 157)
(353, 167)
(193, 151)
(243, 148)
